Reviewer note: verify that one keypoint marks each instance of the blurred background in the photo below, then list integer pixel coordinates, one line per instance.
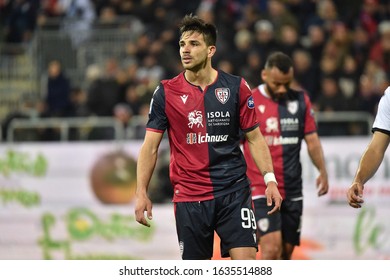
(76, 78)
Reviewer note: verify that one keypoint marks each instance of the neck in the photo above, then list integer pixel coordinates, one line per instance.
(201, 78)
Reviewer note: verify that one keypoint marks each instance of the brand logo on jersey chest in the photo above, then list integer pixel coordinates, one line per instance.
(199, 138)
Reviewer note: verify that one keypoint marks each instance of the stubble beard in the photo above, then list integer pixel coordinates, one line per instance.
(196, 67)
(274, 96)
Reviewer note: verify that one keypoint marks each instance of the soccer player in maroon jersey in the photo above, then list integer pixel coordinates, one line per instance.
(286, 118)
(204, 111)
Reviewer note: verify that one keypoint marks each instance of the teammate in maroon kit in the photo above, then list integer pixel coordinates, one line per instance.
(204, 110)
(286, 118)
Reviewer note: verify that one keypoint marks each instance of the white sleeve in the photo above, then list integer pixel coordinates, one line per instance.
(382, 119)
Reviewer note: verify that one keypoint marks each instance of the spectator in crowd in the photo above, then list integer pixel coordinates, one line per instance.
(135, 94)
(29, 109)
(349, 80)
(315, 42)
(265, 41)
(78, 99)
(331, 99)
(252, 68)
(141, 121)
(21, 20)
(360, 46)
(104, 90)
(123, 113)
(289, 40)
(326, 15)
(242, 43)
(380, 52)
(57, 101)
(369, 16)
(280, 16)
(306, 73)
(78, 17)
(150, 73)
(367, 97)
(79, 108)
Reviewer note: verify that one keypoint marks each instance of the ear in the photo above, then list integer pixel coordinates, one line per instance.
(264, 75)
(212, 50)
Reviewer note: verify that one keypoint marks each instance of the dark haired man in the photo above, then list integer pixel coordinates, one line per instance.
(204, 111)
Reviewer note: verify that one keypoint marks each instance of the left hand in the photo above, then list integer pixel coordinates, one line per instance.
(273, 196)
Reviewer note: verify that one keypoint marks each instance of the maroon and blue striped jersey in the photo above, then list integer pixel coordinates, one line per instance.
(204, 134)
(284, 124)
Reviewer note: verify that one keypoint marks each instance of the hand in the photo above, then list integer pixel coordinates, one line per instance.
(322, 184)
(355, 195)
(143, 204)
(273, 195)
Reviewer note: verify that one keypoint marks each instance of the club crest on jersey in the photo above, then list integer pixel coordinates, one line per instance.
(222, 94)
(195, 118)
(292, 106)
(263, 224)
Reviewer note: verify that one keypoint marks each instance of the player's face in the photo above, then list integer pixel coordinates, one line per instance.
(277, 82)
(194, 52)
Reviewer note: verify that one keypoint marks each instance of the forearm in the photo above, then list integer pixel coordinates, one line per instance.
(317, 157)
(316, 153)
(261, 155)
(145, 166)
(368, 165)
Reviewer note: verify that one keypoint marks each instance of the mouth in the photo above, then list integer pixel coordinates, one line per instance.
(186, 59)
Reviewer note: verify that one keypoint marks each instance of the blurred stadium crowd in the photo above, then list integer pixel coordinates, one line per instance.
(341, 49)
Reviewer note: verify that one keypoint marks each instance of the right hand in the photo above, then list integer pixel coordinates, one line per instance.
(142, 204)
(355, 195)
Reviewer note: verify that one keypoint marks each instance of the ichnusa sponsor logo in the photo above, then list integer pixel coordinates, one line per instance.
(199, 138)
(279, 140)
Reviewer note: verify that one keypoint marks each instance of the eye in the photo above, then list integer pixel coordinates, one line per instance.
(195, 43)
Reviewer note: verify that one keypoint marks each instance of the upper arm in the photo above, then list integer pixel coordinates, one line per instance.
(253, 135)
(379, 142)
(312, 139)
(248, 120)
(152, 141)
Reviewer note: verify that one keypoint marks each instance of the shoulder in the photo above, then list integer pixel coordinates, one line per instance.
(175, 81)
(297, 94)
(229, 77)
(384, 103)
(386, 96)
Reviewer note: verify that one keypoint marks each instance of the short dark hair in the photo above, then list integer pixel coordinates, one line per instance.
(279, 60)
(195, 24)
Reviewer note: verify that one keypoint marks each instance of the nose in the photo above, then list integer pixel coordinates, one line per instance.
(184, 48)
